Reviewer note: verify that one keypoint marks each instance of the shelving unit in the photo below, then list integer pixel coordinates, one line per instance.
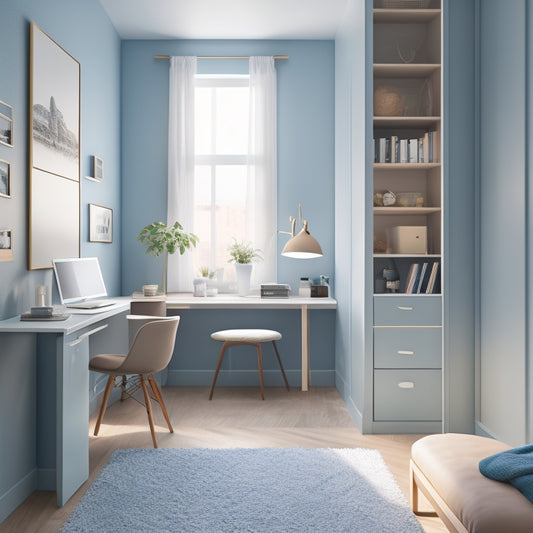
(407, 106)
(407, 328)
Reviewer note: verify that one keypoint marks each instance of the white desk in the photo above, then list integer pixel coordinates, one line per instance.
(230, 301)
(63, 363)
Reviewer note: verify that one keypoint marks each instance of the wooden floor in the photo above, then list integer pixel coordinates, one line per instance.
(236, 417)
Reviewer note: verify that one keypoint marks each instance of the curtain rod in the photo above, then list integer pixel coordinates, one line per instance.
(222, 57)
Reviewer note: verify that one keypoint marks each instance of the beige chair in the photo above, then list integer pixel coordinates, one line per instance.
(252, 337)
(149, 352)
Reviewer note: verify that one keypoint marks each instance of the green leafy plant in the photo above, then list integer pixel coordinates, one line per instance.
(206, 273)
(160, 238)
(243, 252)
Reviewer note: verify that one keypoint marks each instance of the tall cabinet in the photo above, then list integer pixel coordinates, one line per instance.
(408, 209)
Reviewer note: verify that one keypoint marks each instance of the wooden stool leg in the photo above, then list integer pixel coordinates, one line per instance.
(280, 365)
(148, 409)
(219, 364)
(159, 398)
(260, 365)
(105, 399)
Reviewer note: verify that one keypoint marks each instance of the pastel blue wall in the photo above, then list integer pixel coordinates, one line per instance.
(305, 175)
(505, 381)
(84, 30)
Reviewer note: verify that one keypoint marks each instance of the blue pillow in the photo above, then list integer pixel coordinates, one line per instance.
(513, 466)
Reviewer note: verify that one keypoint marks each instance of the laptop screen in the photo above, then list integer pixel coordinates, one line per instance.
(78, 279)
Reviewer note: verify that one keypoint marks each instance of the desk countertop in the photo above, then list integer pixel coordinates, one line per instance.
(173, 301)
(232, 301)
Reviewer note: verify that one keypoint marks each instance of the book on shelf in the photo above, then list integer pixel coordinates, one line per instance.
(413, 150)
(404, 153)
(411, 276)
(424, 278)
(433, 285)
(425, 149)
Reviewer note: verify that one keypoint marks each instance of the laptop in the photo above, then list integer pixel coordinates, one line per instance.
(80, 283)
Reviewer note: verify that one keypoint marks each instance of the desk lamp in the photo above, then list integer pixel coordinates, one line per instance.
(303, 245)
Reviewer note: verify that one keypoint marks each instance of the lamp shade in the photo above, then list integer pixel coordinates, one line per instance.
(302, 246)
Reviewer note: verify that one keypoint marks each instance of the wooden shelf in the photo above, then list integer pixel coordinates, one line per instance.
(406, 122)
(405, 15)
(405, 70)
(387, 211)
(407, 256)
(405, 166)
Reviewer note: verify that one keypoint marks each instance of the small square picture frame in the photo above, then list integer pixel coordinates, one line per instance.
(6, 124)
(98, 168)
(5, 179)
(6, 245)
(100, 223)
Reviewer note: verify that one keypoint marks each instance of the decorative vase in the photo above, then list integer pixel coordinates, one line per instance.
(244, 273)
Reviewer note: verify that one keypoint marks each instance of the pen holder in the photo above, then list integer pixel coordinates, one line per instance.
(40, 296)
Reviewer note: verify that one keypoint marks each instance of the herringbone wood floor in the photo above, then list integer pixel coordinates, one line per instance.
(236, 417)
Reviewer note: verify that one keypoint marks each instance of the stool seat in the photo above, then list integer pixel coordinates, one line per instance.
(246, 335)
(252, 337)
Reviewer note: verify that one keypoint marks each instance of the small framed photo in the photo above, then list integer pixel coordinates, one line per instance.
(6, 245)
(6, 124)
(100, 223)
(98, 168)
(5, 178)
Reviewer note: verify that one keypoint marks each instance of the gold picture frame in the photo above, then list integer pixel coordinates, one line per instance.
(55, 162)
(100, 223)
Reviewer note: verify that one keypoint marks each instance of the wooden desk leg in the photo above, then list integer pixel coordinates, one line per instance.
(305, 348)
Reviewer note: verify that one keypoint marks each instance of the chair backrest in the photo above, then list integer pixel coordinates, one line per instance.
(152, 347)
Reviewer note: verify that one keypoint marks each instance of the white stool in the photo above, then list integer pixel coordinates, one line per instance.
(252, 337)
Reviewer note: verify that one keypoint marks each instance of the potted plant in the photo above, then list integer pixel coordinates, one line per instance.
(160, 238)
(242, 254)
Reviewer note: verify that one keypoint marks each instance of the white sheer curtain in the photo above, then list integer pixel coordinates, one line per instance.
(261, 208)
(180, 206)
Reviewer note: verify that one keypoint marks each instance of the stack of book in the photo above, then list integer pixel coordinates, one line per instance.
(419, 150)
(423, 278)
(275, 290)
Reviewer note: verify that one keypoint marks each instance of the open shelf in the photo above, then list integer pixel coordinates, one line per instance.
(405, 166)
(405, 15)
(405, 70)
(405, 210)
(406, 122)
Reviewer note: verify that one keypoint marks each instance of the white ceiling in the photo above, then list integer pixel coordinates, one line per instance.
(225, 19)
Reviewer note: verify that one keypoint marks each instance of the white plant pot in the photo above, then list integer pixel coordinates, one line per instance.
(244, 273)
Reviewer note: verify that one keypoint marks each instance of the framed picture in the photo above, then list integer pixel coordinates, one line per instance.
(98, 168)
(6, 124)
(54, 191)
(6, 245)
(5, 178)
(100, 223)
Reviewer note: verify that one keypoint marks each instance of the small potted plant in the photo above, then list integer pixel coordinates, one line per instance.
(242, 254)
(160, 238)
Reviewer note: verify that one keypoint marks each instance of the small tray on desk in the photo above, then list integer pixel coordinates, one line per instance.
(28, 317)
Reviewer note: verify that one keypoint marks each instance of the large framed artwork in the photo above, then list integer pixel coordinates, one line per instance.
(54, 225)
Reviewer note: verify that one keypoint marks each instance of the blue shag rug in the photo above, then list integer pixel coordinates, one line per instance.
(253, 490)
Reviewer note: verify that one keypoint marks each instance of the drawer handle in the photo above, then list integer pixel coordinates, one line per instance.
(406, 385)
(405, 308)
(87, 334)
(405, 352)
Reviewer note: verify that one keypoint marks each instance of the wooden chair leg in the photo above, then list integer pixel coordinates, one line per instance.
(107, 392)
(260, 365)
(219, 364)
(280, 365)
(148, 409)
(159, 398)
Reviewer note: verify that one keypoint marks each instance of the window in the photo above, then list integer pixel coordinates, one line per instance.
(221, 155)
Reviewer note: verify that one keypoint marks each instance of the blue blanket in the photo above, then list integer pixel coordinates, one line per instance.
(514, 466)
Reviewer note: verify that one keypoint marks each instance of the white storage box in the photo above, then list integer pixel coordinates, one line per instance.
(409, 240)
